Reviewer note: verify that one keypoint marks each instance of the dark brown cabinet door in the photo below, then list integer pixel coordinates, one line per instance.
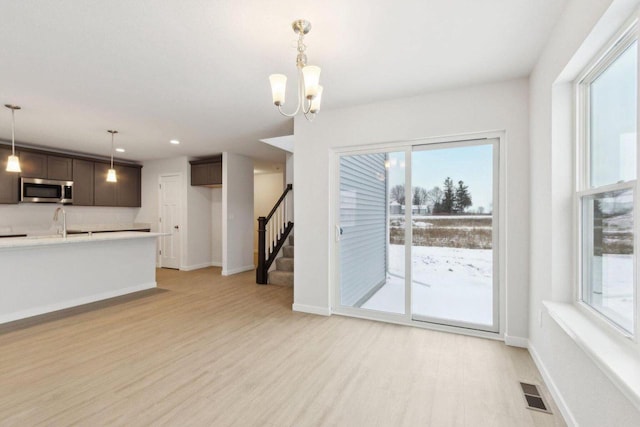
(199, 174)
(216, 173)
(104, 192)
(60, 168)
(33, 165)
(9, 181)
(206, 174)
(128, 188)
(83, 179)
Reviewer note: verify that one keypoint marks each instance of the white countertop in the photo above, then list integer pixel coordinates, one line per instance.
(34, 241)
(97, 228)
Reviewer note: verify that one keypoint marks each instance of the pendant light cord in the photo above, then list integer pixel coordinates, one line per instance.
(112, 150)
(13, 132)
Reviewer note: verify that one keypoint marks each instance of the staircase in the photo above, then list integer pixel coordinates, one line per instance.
(283, 274)
(273, 231)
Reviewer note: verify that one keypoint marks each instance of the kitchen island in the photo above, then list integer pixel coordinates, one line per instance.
(49, 273)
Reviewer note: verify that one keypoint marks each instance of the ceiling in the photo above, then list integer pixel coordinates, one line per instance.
(197, 71)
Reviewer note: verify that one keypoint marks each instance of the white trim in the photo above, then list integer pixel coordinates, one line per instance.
(617, 359)
(311, 309)
(401, 319)
(74, 302)
(516, 341)
(553, 388)
(237, 270)
(216, 263)
(196, 266)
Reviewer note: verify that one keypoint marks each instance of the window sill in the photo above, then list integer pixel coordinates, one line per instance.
(615, 357)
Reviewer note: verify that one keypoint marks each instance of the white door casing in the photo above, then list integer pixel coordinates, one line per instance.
(169, 220)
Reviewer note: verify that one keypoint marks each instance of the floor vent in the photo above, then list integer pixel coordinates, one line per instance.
(533, 398)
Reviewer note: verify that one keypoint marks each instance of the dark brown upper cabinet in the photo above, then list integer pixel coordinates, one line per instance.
(207, 172)
(104, 192)
(83, 182)
(9, 181)
(33, 165)
(37, 165)
(60, 168)
(125, 193)
(128, 186)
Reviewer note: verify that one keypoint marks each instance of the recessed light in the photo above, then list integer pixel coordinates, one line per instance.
(120, 150)
(175, 141)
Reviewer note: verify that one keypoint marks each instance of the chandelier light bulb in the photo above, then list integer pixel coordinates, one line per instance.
(315, 102)
(278, 88)
(311, 75)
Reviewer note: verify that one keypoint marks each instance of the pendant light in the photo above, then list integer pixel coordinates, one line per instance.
(13, 162)
(111, 174)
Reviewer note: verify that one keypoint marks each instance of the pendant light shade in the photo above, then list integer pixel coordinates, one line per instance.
(13, 162)
(111, 174)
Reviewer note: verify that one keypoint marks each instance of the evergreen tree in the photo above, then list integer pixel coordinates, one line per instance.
(449, 197)
(463, 198)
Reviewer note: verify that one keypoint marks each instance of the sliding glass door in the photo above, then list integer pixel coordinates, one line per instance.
(417, 234)
(371, 263)
(454, 234)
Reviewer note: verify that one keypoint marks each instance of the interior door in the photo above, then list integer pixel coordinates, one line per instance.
(170, 221)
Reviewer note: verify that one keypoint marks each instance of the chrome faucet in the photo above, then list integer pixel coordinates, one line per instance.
(64, 221)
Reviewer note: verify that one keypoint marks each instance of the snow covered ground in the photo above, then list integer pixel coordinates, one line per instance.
(448, 284)
(616, 301)
(456, 284)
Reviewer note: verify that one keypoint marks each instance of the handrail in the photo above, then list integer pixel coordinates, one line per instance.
(275, 207)
(278, 233)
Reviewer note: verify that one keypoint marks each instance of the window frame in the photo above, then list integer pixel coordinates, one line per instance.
(616, 46)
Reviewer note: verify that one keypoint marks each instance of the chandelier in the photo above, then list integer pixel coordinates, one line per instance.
(309, 91)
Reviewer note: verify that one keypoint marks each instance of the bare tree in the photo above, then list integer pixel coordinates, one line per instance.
(397, 193)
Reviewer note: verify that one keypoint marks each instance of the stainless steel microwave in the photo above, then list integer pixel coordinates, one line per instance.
(38, 190)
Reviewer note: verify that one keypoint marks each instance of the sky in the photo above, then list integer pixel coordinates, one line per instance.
(471, 164)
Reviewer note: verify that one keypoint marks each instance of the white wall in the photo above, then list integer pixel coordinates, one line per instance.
(500, 106)
(268, 188)
(199, 249)
(237, 213)
(288, 179)
(586, 395)
(29, 217)
(216, 227)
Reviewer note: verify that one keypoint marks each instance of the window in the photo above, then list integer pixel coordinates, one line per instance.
(607, 183)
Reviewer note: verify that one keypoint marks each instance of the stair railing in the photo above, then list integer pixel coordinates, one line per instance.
(273, 231)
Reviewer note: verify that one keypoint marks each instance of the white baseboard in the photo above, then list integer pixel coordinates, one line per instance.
(216, 263)
(516, 341)
(553, 389)
(312, 309)
(74, 303)
(196, 266)
(237, 270)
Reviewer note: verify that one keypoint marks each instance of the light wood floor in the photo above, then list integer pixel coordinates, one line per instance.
(214, 350)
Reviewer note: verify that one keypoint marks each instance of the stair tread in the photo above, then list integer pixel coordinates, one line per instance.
(279, 277)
